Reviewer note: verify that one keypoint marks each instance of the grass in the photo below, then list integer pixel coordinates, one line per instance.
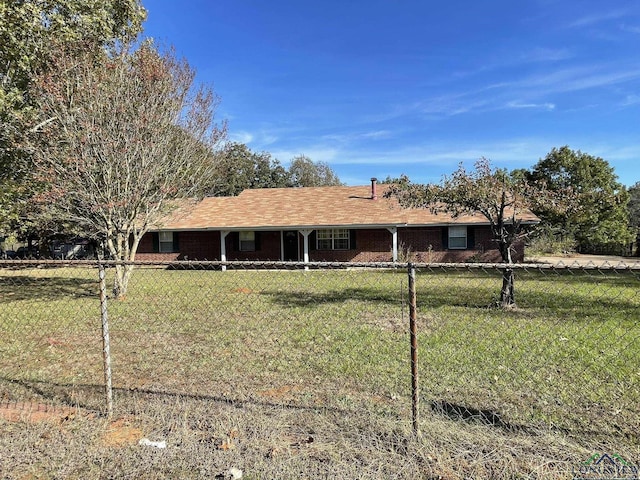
(311, 370)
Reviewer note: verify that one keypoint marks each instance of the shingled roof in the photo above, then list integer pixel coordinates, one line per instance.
(309, 207)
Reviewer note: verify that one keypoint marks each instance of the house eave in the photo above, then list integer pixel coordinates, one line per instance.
(351, 226)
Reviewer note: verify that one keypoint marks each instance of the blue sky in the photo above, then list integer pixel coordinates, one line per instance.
(377, 88)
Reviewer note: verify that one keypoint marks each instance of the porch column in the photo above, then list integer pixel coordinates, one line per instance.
(394, 237)
(305, 237)
(223, 247)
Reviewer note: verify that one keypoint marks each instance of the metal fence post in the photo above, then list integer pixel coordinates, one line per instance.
(106, 345)
(413, 333)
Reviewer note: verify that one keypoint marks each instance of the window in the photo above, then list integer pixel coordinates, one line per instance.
(165, 242)
(247, 241)
(458, 237)
(334, 239)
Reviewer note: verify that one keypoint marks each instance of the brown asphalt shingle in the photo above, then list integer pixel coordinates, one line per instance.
(307, 208)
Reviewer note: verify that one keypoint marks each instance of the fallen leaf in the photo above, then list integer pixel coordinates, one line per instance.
(227, 444)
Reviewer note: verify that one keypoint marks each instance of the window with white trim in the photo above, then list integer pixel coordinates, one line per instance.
(247, 241)
(165, 242)
(333, 239)
(458, 237)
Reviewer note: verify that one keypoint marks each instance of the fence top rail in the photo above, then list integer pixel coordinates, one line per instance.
(606, 266)
(280, 265)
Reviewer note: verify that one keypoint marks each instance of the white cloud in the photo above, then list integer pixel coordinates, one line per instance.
(597, 18)
(241, 137)
(630, 28)
(260, 139)
(631, 100)
(377, 134)
(315, 153)
(355, 136)
(578, 78)
(544, 106)
(540, 54)
(496, 96)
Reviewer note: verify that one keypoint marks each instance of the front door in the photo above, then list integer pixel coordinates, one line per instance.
(290, 244)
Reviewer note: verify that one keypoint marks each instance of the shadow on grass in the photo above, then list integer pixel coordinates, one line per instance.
(492, 418)
(92, 397)
(563, 296)
(305, 298)
(13, 289)
(487, 417)
(560, 292)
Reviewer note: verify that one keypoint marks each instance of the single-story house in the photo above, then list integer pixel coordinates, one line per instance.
(335, 224)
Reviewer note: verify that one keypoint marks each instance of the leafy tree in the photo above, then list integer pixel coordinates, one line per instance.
(305, 172)
(634, 213)
(30, 32)
(129, 134)
(239, 169)
(391, 180)
(598, 218)
(493, 193)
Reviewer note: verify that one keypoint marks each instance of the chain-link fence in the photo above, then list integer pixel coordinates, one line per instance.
(562, 364)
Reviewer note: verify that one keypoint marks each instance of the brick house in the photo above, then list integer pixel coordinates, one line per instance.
(337, 224)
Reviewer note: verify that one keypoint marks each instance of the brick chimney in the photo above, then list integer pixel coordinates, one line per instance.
(374, 189)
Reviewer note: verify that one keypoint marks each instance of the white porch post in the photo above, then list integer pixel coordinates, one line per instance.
(394, 237)
(305, 236)
(223, 247)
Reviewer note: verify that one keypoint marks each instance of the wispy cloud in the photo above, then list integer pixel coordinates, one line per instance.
(261, 138)
(539, 54)
(241, 137)
(439, 154)
(630, 28)
(543, 106)
(428, 163)
(532, 91)
(631, 100)
(317, 153)
(355, 136)
(379, 134)
(579, 78)
(588, 20)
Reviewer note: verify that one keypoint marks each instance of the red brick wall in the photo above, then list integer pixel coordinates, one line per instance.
(192, 246)
(146, 253)
(417, 245)
(269, 247)
(372, 245)
(199, 245)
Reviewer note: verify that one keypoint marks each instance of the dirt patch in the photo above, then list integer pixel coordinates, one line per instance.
(121, 433)
(36, 412)
(281, 393)
(243, 290)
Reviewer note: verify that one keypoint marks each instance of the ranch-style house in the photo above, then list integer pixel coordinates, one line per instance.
(333, 224)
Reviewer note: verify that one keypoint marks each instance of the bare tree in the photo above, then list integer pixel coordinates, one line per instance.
(125, 134)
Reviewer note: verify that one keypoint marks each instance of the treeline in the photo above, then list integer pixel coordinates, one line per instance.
(586, 208)
(603, 216)
(238, 168)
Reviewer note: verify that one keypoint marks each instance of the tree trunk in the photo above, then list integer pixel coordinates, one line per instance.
(121, 251)
(507, 294)
(121, 283)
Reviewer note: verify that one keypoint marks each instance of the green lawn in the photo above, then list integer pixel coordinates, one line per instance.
(565, 363)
